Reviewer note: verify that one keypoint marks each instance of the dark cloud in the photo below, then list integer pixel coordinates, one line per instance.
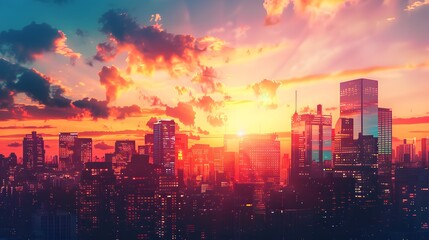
(103, 146)
(17, 79)
(97, 109)
(411, 120)
(151, 122)
(154, 101)
(23, 112)
(183, 111)
(32, 41)
(330, 109)
(215, 121)
(124, 112)
(201, 131)
(149, 48)
(14, 144)
(111, 78)
(81, 33)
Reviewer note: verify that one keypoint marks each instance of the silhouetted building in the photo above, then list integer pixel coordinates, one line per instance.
(201, 163)
(412, 202)
(124, 150)
(138, 196)
(164, 145)
(405, 153)
(96, 210)
(359, 100)
(33, 151)
(148, 146)
(181, 155)
(66, 149)
(83, 151)
(259, 158)
(425, 152)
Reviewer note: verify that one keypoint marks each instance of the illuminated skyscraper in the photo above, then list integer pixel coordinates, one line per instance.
(405, 152)
(259, 158)
(359, 100)
(96, 210)
(164, 145)
(83, 151)
(66, 149)
(385, 153)
(181, 149)
(124, 150)
(311, 144)
(148, 146)
(33, 151)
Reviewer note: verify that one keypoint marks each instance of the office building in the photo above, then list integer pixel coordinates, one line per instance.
(164, 145)
(33, 151)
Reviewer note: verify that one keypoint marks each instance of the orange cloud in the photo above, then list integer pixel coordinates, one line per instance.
(62, 48)
(111, 78)
(207, 80)
(416, 4)
(266, 91)
(274, 9)
(183, 111)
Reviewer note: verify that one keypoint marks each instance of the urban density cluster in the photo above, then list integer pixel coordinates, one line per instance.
(341, 181)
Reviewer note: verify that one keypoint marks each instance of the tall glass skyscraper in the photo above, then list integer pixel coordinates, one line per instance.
(164, 143)
(311, 143)
(33, 151)
(359, 100)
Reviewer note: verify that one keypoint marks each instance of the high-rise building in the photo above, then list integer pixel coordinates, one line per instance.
(425, 152)
(259, 158)
(181, 149)
(66, 149)
(33, 151)
(405, 152)
(148, 146)
(359, 100)
(311, 144)
(164, 145)
(96, 205)
(356, 159)
(83, 151)
(201, 163)
(124, 150)
(385, 154)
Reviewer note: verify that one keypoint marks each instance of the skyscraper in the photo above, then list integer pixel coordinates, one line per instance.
(66, 149)
(385, 153)
(259, 158)
(425, 151)
(33, 151)
(164, 145)
(96, 210)
(359, 100)
(83, 151)
(124, 150)
(311, 143)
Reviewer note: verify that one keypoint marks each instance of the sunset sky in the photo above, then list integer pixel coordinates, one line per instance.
(108, 69)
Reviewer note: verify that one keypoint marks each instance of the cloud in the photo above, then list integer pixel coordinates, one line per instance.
(81, 33)
(26, 127)
(351, 73)
(16, 79)
(154, 101)
(149, 48)
(215, 121)
(14, 144)
(125, 111)
(151, 122)
(201, 131)
(103, 146)
(32, 41)
(206, 103)
(183, 111)
(416, 4)
(411, 120)
(266, 91)
(274, 9)
(207, 79)
(331, 109)
(182, 90)
(97, 109)
(241, 31)
(193, 137)
(111, 78)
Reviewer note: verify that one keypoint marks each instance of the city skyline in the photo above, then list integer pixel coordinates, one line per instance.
(237, 60)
